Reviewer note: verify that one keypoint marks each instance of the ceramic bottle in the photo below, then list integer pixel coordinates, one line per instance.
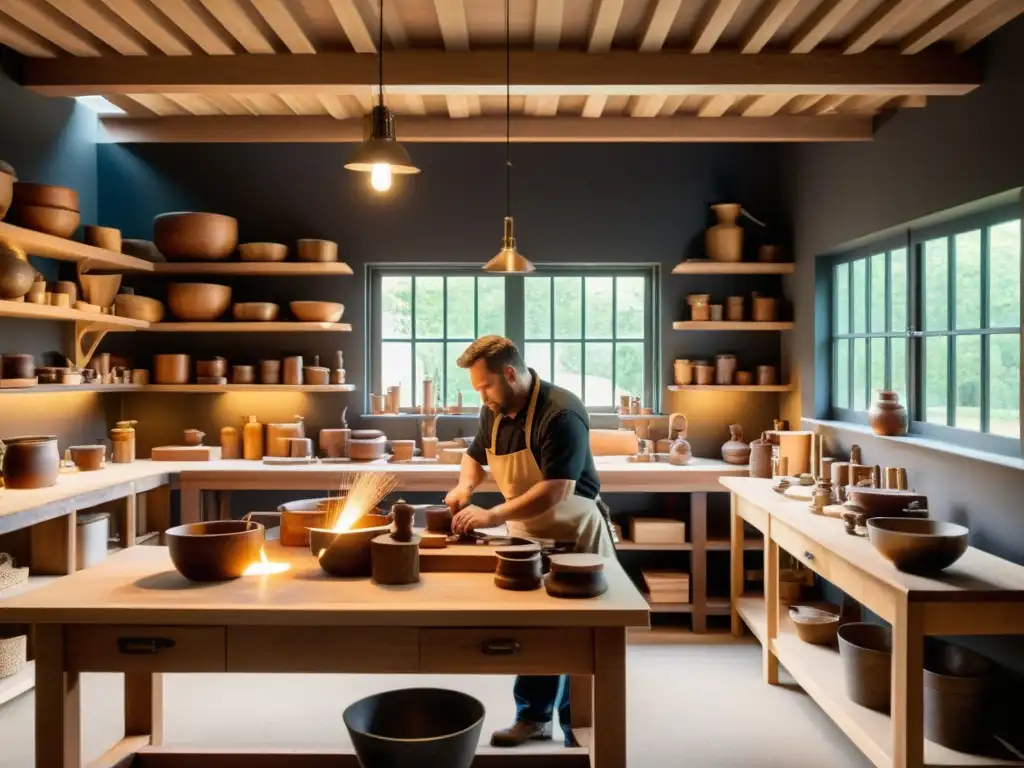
(679, 451)
(735, 451)
(887, 415)
(252, 439)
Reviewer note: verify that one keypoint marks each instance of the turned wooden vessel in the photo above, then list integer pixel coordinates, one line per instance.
(576, 576)
(30, 462)
(216, 550)
(887, 415)
(347, 553)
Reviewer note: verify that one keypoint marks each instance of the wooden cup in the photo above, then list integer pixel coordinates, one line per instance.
(766, 376)
(734, 309)
(270, 371)
(292, 371)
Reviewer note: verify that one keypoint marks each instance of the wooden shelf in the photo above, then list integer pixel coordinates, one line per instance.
(668, 607)
(254, 268)
(50, 247)
(15, 685)
(418, 416)
(751, 610)
(732, 268)
(217, 388)
(25, 310)
(228, 326)
(730, 388)
(698, 325)
(51, 389)
(630, 546)
(718, 606)
(715, 545)
(152, 539)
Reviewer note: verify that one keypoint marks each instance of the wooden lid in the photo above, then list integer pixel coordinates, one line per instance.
(577, 563)
(518, 551)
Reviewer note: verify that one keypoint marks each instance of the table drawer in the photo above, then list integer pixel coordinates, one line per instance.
(144, 649)
(322, 649)
(812, 555)
(507, 651)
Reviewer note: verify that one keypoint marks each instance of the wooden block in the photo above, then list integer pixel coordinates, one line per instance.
(186, 453)
(52, 548)
(395, 562)
(433, 540)
(656, 530)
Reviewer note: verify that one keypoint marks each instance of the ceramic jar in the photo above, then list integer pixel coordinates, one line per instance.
(716, 313)
(724, 241)
(725, 369)
(735, 451)
(703, 373)
(122, 438)
(734, 309)
(17, 367)
(270, 371)
(16, 274)
(887, 415)
(761, 458)
(700, 306)
(679, 451)
(743, 378)
(292, 373)
(766, 376)
(30, 462)
(682, 372)
(763, 309)
(194, 437)
(230, 445)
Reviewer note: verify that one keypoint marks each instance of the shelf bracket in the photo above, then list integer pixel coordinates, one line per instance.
(82, 329)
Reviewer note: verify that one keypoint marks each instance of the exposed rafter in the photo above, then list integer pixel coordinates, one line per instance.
(212, 40)
(765, 23)
(547, 31)
(602, 30)
(647, 106)
(767, 105)
(90, 17)
(712, 23)
(151, 24)
(878, 23)
(280, 19)
(235, 19)
(355, 28)
(716, 106)
(44, 21)
(950, 18)
(24, 41)
(977, 30)
(659, 21)
(820, 23)
(451, 18)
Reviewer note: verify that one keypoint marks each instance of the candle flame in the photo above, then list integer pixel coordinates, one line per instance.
(264, 567)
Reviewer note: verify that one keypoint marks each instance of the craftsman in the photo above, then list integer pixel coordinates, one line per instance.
(535, 437)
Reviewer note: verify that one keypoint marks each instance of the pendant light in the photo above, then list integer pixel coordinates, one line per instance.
(508, 261)
(380, 154)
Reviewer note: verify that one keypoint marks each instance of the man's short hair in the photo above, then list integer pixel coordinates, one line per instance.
(496, 350)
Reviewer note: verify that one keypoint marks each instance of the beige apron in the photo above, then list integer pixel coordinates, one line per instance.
(576, 519)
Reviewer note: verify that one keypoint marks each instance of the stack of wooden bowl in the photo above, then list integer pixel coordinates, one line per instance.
(45, 208)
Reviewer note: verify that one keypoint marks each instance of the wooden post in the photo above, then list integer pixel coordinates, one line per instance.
(191, 504)
(395, 562)
(581, 700)
(156, 508)
(143, 705)
(58, 703)
(223, 505)
(771, 596)
(699, 560)
(735, 566)
(128, 521)
(908, 685)
(53, 551)
(608, 742)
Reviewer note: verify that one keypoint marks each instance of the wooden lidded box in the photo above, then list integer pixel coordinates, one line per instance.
(656, 530)
(667, 586)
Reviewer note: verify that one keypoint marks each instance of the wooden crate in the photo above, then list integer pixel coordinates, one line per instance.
(667, 586)
(656, 530)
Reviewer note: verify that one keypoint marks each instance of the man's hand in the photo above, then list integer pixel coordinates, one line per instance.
(458, 498)
(473, 517)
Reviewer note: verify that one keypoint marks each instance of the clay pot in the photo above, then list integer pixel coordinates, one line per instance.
(317, 311)
(139, 307)
(262, 252)
(518, 573)
(300, 447)
(37, 293)
(195, 236)
(194, 437)
(761, 458)
(107, 238)
(100, 290)
(887, 415)
(17, 367)
(700, 306)
(743, 378)
(576, 575)
(439, 518)
(704, 375)
(917, 545)
(766, 376)
(215, 551)
(334, 442)
(725, 369)
(142, 249)
(735, 451)
(866, 653)
(230, 444)
(30, 462)
(402, 450)
(957, 685)
(734, 309)
(816, 624)
(59, 222)
(429, 447)
(16, 274)
(764, 309)
(679, 450)
(255, 311)
(243, 374)
(270, 371)
(218, 366)
(884, 502)
(45, 195)
(316, 250)
(64, 286)
(769, 254)
(198, 302)
(366, 450)
(317, 375)
(6, 189)
(170, 369)
(682, 372)
(60, 300)
(88, 458)
(724, 241)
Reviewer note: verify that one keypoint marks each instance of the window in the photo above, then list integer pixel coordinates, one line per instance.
(590, 332)
(938, 320)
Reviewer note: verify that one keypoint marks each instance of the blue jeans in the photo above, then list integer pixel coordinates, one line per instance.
(539, 696)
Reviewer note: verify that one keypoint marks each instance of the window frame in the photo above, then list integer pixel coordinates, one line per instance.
(914, 241)
(515, 310)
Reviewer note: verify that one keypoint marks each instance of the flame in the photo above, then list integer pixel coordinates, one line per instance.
(265, 567)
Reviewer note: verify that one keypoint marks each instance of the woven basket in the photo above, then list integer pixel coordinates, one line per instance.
(9, 575)
(13, 651)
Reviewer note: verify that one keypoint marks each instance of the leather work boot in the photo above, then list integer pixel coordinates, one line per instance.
(521, 732)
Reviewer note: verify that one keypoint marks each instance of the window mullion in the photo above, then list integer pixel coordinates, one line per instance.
(985, 337)
(950, 325)
(412, 336)
(583, 335)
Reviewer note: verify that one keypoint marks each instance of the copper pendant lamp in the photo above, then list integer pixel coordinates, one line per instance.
(380, 154)
(509, 260)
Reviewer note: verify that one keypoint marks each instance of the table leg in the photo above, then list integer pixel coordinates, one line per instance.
(58, 703)
(771, 612)
(144, 705)
(608, 742)
(223, 505)
(581, 700)
(699, 561)
(908, 686)
(128, 521)
(191, 504)
(735, 566)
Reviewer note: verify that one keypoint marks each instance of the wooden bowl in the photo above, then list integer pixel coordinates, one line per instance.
(215, 551)
(45, 195)
(402, 450)
(317, 311)
(100, 290)
(317, 250)
(262, 252)
(366, 450)
(815, 623)
(198, 301)
(195, 236)
(170, 369)
(139, 307)
(917, 545)
(346, 553)
(88, 458)
(59, 222)
(576, 575)
(107, 238)
(255, 311)
(218, 366)
(883, 502)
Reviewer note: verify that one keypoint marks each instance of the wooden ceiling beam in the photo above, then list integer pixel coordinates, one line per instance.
(712, 23)
(602, 32)
(355, 28)
(157, 104)
(130, 106)
(335, 107)
(716, 106)
(45, 22)
(767, 105)
(878, 23)
(659, 21)
(782, 128)
(211, 39)
(542, 106)
(90, 17)
(547, 25)
(946, 21)
(151, 24)
(766, 22)
(281, 20)
(24, 41)
(235, 19)
(974, 32)
(820, 23)
(477, 73)
(646, 106)
(451, 18)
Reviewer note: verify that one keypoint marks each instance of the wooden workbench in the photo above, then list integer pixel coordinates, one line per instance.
(134, 614)
(979, 595)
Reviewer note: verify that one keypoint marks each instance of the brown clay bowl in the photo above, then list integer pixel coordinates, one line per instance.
(317, 311)
(317, 250)
(88, 458)
(16, 274)
(218, 366)
(215, 551)
(198, 301)
(59, 222)
(255, 311)
(45, 195)
(815, 623)
(107, 238)
(6, 192)
(883, 502)
(366, 450)
(30, 462)
(262, 252)
(170, 369)
(917, 545)
(139, 307)
(366, 434)
(195, 236)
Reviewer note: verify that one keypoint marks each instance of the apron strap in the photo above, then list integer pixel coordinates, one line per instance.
(529, 417)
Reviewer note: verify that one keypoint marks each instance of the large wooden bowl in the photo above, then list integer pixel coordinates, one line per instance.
(884, 502)
(917, 545)
(195, 236)
(198, 301)
(45, 195)
(262, 252)
(139, 307)
(316, 250)
(59, 222)
(347, 553)
(255, 311)
(215, 551)
(317, 311)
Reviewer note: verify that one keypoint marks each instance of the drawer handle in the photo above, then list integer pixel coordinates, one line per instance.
(808, 556)
(143, 645)
(500, 647)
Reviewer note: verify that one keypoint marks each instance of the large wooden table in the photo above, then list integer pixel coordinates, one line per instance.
(134, 614)
(979, 595)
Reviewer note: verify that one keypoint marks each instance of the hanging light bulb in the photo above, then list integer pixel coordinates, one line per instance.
(509, 260)
(380, 154)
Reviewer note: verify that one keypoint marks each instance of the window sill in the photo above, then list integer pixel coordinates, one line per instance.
(925, 443)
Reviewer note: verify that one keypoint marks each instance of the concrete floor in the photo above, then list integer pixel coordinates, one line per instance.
(698, 702)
